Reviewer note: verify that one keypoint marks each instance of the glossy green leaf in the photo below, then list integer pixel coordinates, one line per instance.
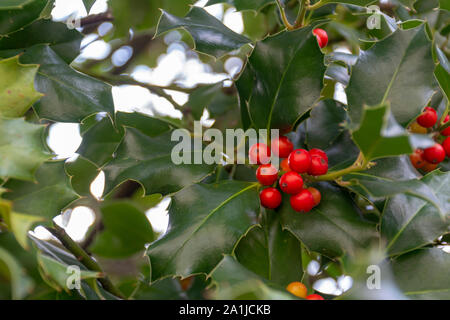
(65, 42)
(88, 4)
(126, 231)
(234, 282)
(325, 124)
(75, 95)
(409, 222)
(379, 135)
(442, 73)
(15, 14)
(22, 149)
(424, 274)
(17, 92)
(333, 228)
(152, 165)
(82, 173)
(46, 197)
(211, 36)
(288, 73)
(271, 252)
(10, 268)
(399, 70)
(361, 3)
(241, 5)
(205, 222)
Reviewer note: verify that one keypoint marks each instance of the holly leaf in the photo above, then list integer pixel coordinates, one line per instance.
(82, 173)
(271, 252)
(333, 228)
(88, 4)
(12, 270)
(424, 274)
(205, 222)
(76, 95)
(442, 73)
(119, 239)
(287, 70)
(409, 222)
(15, 14)
(242, 5)
(47, 196)
(210, 35)
(444, 5)
(22, 149)
(17, 93)
(65, 42)
(152, 166)
(234, 282)
(361, 3)
(405, 79)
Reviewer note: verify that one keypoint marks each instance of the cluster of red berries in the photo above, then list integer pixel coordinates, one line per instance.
(298, 289)
(295, 163)
(429, 159)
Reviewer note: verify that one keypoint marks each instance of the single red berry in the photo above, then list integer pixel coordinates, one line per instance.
(322, 37)
(282, 147)
(259, 153)
(316, 195)
(428, 167)
(446, 131)
(270, 198)
(299, 160)
(285, 165)
(319, 166)
(428, 118)
(302, 201)
(267, 174)
(291, 182)
(314, 296)
(318, 152)
(417, 159)
(434, 154)
(446, 146)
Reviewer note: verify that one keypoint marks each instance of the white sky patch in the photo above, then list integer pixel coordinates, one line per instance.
(96, 50)
(158, 215)
(80, 220)
(233, 20)
(64, 139)
(98, 186)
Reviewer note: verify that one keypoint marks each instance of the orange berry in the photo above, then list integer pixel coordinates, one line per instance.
(298, 289)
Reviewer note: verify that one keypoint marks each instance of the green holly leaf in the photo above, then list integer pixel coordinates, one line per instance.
(234, 282)
(12, 270)
(17, 92)
(424, 274)
(405, 79)
(271, 252)
(210, 35)
(22, 149)
(82, 173)
(16, 14)
(333, 228)
(76, 95)
(287, 70)
(47, 196)
(442, 73)
(444, 4)
(152, 166)
(65, 42)
(361, 3)
(88, 4)
(119, 239)
(409, 222)
(205, 222)
(242, 5)
(379, 135)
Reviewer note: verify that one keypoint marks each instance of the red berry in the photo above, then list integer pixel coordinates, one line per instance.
(314, 297)
(302, 201)
(434, 154)
(259, 153)
(322, 37)
(285, 165)
(282, 147)
(428, 118)
(417, 159)
(299, 160)
(319, 166)
(267, 174)
(316, 195)
(318, 152)
(270, 198)
(446, 146)
(446, 131)
(291, 182)
(428, 167)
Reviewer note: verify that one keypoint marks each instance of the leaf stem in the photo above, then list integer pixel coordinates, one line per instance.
(84, 258)
(317, 5)
(301, 14)
(286, 22)
(359, 165)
